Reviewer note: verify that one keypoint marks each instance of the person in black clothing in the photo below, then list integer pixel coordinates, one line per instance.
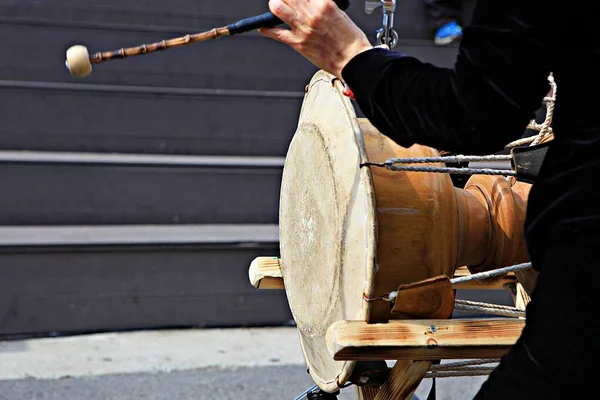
(484, 102)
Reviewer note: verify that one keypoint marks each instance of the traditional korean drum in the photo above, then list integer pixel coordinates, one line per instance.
(350, 233)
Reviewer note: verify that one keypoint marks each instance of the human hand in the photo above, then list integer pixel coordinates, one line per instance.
(320, 31)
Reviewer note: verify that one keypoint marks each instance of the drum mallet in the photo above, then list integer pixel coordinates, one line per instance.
(79, 62)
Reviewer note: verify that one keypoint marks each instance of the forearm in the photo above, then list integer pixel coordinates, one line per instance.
(412, 102)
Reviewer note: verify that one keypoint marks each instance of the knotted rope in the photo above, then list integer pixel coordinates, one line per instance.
(545, 128)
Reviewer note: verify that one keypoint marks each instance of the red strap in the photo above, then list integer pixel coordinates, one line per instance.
(348, 92)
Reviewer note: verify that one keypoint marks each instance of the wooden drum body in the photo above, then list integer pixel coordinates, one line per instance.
(350, 233)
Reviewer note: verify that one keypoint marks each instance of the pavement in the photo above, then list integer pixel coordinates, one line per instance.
(194, 364)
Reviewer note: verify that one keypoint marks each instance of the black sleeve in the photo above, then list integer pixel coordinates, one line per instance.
(477, 107)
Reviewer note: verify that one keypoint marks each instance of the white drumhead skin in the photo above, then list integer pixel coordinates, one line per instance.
(327, 225)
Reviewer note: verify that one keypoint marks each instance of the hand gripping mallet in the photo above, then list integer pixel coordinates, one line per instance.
(79, 62)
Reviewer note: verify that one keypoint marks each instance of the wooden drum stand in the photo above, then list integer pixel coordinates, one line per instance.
(370, 258)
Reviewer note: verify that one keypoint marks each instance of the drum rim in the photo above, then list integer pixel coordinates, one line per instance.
(370, 259)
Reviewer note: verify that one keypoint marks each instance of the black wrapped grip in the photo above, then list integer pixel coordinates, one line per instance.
(267, 20)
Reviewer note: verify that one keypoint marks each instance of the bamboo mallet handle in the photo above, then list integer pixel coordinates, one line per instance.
(79, 62)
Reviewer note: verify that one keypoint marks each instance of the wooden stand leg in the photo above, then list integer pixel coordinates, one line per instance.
(366, 393)
(521, 297)
(404, 379)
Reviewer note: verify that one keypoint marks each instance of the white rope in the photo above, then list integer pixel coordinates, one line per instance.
(545, 130)
(474, 371)
(448, 159)
(488, 308)
(448, 170)
(462, 368)
(488, 305)
(520, 142)
(460, 364)
(491, 273)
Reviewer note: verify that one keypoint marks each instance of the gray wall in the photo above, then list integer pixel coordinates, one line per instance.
(226, 99)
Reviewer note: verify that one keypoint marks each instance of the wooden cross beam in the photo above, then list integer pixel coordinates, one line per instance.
(423, 339)
(265, 273)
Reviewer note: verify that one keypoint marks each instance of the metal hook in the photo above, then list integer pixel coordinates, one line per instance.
(387, 35)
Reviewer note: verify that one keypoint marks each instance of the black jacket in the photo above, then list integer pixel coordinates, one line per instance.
(498, 82)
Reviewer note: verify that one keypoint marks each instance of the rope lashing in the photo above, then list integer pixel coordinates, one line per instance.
(460, 364)
(491, 273)
(446, 170)
(463, 305)
(391, 164)
(448, 159)
(544, 128)
(488, 308)
(462, 368)
(472, 371)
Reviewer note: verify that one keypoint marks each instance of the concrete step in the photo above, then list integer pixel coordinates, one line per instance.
(83, 189)
(85, 279)
(123, 119)
(71, 236)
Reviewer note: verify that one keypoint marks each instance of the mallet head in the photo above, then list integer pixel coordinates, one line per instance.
(78, 61)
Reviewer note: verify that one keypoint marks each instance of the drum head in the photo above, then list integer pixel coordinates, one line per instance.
(327, 225)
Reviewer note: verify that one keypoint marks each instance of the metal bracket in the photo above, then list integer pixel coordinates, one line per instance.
(387, 34)
(370, 373)
(527, 161)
